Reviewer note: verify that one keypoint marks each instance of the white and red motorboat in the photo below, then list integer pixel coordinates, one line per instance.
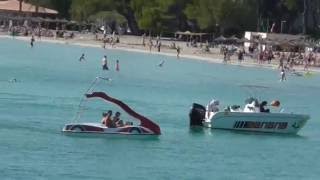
(146, 126)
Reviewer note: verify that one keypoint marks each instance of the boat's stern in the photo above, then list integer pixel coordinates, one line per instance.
(197, 115)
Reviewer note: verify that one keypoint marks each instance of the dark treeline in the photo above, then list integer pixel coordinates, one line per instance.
(213, 16)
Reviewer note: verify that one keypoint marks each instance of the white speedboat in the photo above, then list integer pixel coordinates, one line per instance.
(146, 126)
(286, 123)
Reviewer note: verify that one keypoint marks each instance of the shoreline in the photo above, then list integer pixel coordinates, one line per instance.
(215, 58)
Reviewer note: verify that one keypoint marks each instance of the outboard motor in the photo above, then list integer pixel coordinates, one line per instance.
(197, 114)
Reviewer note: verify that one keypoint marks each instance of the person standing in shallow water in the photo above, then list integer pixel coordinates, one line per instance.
(117, 66)
(32, 41)
(178, 52)
(283, 75)
(105, 63)
(82, 58)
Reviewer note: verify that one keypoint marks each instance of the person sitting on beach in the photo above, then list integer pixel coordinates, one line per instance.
(262, 105)
(117, 121)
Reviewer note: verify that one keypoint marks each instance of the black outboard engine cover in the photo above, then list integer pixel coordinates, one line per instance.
(197, 114)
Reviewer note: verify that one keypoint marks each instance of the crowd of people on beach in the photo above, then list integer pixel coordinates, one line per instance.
(286, 60)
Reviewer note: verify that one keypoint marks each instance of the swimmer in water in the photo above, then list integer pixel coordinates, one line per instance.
(32, 41)
(82, 58)
(161, 63)
(117, 66)
(283, 75)
(13, 80)
(105, 63)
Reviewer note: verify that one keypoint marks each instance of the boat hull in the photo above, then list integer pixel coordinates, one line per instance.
(258, 122)
(96, 128)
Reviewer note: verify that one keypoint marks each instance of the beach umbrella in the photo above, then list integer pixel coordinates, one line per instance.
(220, 39)
(243, 39)
(233, 38)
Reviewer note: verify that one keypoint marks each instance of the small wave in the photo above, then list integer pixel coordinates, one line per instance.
(254, 86)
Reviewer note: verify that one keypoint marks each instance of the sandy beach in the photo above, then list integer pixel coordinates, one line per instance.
(134, 44)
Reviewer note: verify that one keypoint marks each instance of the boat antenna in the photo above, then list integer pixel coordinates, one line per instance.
(81, 106)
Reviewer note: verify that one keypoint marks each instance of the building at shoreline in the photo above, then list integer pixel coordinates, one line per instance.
(14, 8)
(15, 13)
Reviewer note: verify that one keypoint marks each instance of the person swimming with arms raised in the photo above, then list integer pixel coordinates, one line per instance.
(82, 58)
(32, 41)
(161, 63)
(13, 80)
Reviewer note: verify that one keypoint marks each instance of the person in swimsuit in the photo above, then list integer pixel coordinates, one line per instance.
(117, 121)
(82, 58)
(105, 63)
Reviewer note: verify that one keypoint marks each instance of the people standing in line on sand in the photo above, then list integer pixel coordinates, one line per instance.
(159, 46)
(82, 58)
(283, 75)
(105, 63)
(225, 54)
(269, 56)
(104, 41)
(282, 57)
(307, 62)
(117, 65)
(111, 42)
(32, 41)
(178, 52)
(143, 39)
(157, 40)
(150, 44)
(240, 55)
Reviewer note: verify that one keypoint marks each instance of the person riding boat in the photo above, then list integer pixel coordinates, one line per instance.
(117, 121)
(212, 108)
(252, 106)
(262, 107)
(106, 120)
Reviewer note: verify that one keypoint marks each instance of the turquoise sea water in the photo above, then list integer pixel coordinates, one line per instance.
(51, 81)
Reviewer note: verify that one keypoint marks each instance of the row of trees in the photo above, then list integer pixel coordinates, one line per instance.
(218, 16)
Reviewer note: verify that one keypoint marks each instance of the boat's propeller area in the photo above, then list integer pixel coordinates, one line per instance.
(197, 114)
